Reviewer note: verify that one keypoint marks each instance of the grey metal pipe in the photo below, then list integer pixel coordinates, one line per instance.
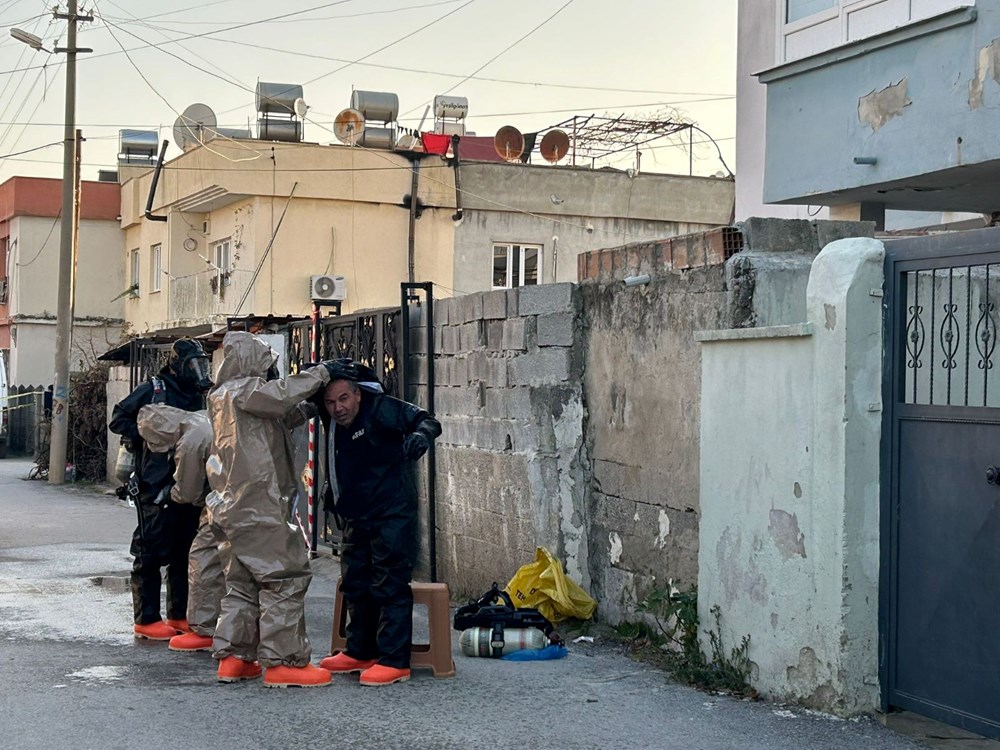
(156, 181)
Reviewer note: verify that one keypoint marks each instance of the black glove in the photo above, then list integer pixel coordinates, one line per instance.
(415, 445)
(341, 369)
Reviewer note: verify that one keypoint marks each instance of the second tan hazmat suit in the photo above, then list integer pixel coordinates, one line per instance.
(189, 435)
(252, 476)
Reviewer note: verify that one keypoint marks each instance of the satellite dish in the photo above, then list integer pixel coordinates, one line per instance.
(196, 125)
(190, 244)
(300, 107)
(349, 126)
(555, 145)
(509, 143)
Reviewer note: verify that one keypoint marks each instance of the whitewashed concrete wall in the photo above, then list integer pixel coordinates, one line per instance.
(788, 543)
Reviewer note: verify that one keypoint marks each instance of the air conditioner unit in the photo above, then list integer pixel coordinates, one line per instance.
(327, 288)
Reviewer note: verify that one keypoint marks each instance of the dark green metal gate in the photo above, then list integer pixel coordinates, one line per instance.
(940, 601)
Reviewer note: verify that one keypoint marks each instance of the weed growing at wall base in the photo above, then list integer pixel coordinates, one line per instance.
(674, 644)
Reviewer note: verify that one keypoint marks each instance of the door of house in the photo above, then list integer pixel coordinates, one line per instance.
(941, 479)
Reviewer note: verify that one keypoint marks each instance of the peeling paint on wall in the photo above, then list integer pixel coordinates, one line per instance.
(878, 107)
(615, 555)
(784, 530)
(738, 577)
(987, 66)
(664, 530)
(830, 313)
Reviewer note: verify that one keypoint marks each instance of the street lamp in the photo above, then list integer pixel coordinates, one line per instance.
(35, 42)
(67, 237)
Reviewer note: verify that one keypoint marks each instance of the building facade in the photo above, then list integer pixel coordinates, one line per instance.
(249, 223)
(30, 210)
(866, 109)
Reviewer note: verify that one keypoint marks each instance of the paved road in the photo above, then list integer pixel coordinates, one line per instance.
(71, 675)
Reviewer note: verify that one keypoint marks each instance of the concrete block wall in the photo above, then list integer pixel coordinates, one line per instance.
(512, 470)
(642, 384)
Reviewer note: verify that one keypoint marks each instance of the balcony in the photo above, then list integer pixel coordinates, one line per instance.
(208, 294)
(905, 119)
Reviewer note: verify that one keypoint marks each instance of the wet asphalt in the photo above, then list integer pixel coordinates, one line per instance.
(72, 676)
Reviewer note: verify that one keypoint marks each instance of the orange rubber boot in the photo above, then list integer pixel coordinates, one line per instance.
(234, 669)
(383, 675)
(180, 625)
(344, 664)
(190, 642)
(154, 631)
(307, 676)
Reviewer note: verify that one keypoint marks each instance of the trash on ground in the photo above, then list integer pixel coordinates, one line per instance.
(584, 639)
(542, 584)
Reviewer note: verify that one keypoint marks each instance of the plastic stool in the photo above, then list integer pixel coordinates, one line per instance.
(435, 655)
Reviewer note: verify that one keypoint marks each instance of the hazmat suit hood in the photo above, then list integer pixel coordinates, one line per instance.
(244, 356)
(189, 435)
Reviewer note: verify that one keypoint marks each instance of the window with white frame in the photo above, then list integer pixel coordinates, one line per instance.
(222, 252)
(808, 27)
(134, 266)
(516, 265)
(155, 267)
(796, 10)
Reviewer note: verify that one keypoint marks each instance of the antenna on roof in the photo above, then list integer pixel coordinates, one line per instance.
(195, 126)
(349, 126)
(509, 143)
(555, 146)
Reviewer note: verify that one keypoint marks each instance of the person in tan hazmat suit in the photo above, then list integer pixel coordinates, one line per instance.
(189, 436)
(252, 476)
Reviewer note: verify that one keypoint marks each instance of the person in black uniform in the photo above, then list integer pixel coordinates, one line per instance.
(370, 441)
(165, 529)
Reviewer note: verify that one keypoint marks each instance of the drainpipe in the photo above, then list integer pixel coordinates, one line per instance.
(156, 180)
(411, 240)
(459, 212)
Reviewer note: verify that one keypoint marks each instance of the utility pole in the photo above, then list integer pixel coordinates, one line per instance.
(67, 241)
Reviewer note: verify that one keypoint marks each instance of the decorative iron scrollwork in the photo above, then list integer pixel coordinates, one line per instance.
(951, 336)
(986, 335)
(915, 337)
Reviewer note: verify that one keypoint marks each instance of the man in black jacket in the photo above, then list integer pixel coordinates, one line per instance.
(165, 529)
(371, 439)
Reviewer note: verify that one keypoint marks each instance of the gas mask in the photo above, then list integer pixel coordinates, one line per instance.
(198, 372)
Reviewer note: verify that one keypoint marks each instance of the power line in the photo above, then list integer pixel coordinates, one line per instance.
(186, 49)
(28, 151)
(325, 18)
(499, 54)
(235, 27)
(442, 74)
(256, 154)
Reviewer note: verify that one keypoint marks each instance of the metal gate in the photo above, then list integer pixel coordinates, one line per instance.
(940, 608)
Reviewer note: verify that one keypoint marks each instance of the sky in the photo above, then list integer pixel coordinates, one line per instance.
(549, 60)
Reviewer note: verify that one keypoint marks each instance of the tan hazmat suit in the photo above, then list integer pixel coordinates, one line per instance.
(252, 475)
(189, 435)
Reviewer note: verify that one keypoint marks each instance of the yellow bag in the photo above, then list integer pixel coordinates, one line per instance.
(542, 584)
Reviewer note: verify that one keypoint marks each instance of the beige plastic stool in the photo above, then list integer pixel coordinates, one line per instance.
(435, 655)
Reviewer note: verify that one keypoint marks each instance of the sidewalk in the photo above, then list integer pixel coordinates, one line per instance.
(73, 676)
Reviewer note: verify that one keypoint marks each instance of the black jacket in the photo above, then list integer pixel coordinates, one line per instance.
(153, 470)
(371, 472)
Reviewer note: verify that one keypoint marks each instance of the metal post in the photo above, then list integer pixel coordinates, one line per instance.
(67, 238)
(314, 498)
(406, 290)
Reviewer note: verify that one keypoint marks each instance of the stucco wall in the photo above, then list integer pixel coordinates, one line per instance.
(790, 428)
